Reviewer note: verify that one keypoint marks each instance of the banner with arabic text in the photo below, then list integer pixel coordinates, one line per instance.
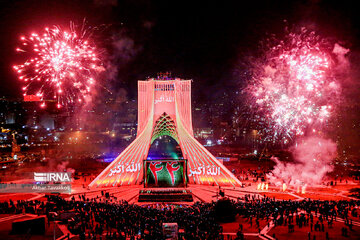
(165, 173)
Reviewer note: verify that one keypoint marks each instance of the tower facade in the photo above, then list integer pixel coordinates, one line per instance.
(164, 108)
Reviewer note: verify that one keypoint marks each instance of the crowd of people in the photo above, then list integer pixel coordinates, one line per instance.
(105, 220)
(310, 213)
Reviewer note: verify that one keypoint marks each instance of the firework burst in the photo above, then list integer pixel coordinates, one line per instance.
(293, 87)
(60, 65)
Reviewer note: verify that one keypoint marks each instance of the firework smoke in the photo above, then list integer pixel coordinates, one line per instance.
(296, 88)
(60, 65)
(313, 158)
(120, 52)
(342, 61)
(123, 50)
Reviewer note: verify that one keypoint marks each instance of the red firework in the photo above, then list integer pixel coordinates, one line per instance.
(60, 65)
(293, 87)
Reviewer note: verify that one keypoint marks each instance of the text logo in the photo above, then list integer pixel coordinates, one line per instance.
(52, 177)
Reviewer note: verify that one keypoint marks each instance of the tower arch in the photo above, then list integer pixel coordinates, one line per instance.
(165, 125)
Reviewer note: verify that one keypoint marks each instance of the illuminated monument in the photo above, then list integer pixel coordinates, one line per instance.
(164, 108)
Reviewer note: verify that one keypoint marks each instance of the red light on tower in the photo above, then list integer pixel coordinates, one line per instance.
(164, 108)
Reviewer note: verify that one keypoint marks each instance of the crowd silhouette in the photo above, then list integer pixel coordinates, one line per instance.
(95, 219)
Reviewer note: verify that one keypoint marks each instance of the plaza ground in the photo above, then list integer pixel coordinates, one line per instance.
(202, 193)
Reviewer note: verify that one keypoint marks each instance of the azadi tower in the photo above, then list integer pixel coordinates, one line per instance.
(164, 108)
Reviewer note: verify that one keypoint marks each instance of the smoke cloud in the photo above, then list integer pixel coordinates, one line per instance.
(56, 165)
(340, 52)
(313, 157)
(123, 51)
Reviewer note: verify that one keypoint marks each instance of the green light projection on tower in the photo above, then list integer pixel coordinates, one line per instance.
(164, 126)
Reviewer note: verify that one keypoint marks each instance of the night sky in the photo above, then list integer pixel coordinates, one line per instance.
(203, 41)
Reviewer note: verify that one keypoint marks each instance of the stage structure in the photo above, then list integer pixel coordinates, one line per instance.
(164, 108)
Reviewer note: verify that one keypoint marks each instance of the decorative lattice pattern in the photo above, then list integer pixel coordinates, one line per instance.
(164, 126)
